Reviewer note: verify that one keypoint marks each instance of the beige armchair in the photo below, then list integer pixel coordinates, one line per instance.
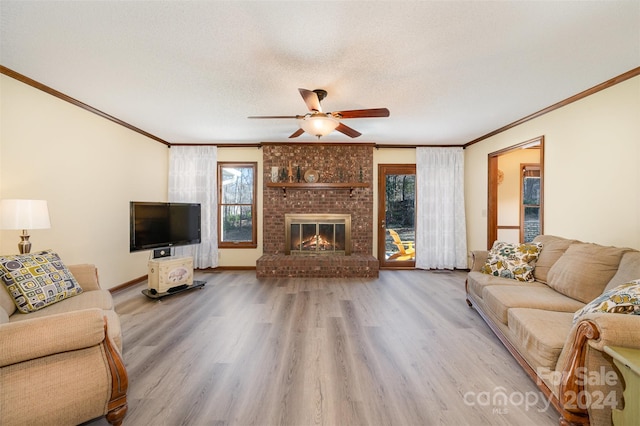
(64, 366)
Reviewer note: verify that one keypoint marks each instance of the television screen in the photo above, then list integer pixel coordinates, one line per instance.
(155, 225)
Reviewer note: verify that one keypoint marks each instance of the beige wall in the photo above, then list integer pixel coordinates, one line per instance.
(87, 168)
(592, 152)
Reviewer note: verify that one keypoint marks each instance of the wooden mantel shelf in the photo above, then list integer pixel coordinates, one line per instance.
(317, 186)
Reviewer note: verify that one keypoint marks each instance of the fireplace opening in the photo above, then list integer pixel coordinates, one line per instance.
(313, 234)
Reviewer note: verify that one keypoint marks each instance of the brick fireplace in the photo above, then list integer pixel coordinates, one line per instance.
(344, 188)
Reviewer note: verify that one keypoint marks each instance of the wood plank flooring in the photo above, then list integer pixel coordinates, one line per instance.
(403, 349)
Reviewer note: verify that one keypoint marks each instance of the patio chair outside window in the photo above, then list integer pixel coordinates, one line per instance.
(406, 251)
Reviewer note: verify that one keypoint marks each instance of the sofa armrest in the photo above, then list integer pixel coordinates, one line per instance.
(86, 275)
(38, 337)
(615, 330)
(594, 330)
(478, 259)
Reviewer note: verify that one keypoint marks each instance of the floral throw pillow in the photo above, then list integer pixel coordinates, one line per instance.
(37, 280)
(515, 261)
(624, 299)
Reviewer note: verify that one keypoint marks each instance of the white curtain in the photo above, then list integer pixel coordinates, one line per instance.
(441, 231)
(192, 179)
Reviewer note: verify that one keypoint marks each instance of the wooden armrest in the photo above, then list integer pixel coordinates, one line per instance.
(572, 383)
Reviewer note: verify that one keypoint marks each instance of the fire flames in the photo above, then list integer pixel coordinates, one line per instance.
(316, 242)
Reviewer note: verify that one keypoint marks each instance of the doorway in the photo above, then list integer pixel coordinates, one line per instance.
(515, 193)
(396, 213)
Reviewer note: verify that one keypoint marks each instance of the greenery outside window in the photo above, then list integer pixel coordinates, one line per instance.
(237, 221)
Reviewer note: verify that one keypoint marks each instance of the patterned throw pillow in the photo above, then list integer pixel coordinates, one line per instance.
(624, 299)
(37, 280)
(512, 260)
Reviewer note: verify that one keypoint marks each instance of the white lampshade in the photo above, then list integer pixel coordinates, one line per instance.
(24, 214)
(318, 124)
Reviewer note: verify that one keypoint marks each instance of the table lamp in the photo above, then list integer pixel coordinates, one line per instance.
(24, 215)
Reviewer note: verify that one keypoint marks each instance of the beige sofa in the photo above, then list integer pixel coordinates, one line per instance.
(535, 321)
(62, 365)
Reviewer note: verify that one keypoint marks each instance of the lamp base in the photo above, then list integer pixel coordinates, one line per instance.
(24, 246)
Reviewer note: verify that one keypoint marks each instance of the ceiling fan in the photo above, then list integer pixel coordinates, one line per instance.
(320, 123)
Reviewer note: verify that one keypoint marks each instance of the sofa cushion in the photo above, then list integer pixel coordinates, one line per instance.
(624, 299)
(510, 260)
(499, 299)
(540, 334)
(552, 248)
(100, 299)
(584, 270)
(628, 270)
(477, 281)
(37, 280)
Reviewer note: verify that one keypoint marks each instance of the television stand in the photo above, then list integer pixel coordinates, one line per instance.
(153, 294)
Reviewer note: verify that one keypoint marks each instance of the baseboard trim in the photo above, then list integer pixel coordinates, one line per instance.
(128, 284)
(229, 268)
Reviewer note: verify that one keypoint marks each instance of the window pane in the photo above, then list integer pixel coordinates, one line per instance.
(237, 185)
(237, 205)
(531, 191)
(531, 223)
(236, 223)
(400, 207)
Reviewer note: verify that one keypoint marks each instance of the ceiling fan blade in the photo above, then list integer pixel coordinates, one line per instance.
(363, 113)
(311, 99)
(275, 116)
(348, 131)
(296, 133)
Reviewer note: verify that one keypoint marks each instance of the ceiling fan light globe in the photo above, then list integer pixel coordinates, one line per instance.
(318, 124)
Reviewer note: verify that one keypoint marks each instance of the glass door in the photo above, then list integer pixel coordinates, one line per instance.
(396, 215)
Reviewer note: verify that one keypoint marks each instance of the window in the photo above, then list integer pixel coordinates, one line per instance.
(237, 205)
(530, 208)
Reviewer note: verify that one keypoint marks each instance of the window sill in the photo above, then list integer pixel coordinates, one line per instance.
(238, 245)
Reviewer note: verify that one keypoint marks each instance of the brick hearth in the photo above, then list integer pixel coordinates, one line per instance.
(336, 164)
(281, 265)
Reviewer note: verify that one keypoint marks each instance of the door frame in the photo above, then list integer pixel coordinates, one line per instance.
(383, 170)
(492, 191)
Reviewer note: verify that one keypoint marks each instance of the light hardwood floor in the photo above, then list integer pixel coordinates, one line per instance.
(404, 349)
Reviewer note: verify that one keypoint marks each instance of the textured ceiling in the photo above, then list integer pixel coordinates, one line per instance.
(191, 72)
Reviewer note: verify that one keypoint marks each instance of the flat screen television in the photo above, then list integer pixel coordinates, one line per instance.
(155, 225)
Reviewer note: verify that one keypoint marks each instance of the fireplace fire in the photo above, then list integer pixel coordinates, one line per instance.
(314, 234)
